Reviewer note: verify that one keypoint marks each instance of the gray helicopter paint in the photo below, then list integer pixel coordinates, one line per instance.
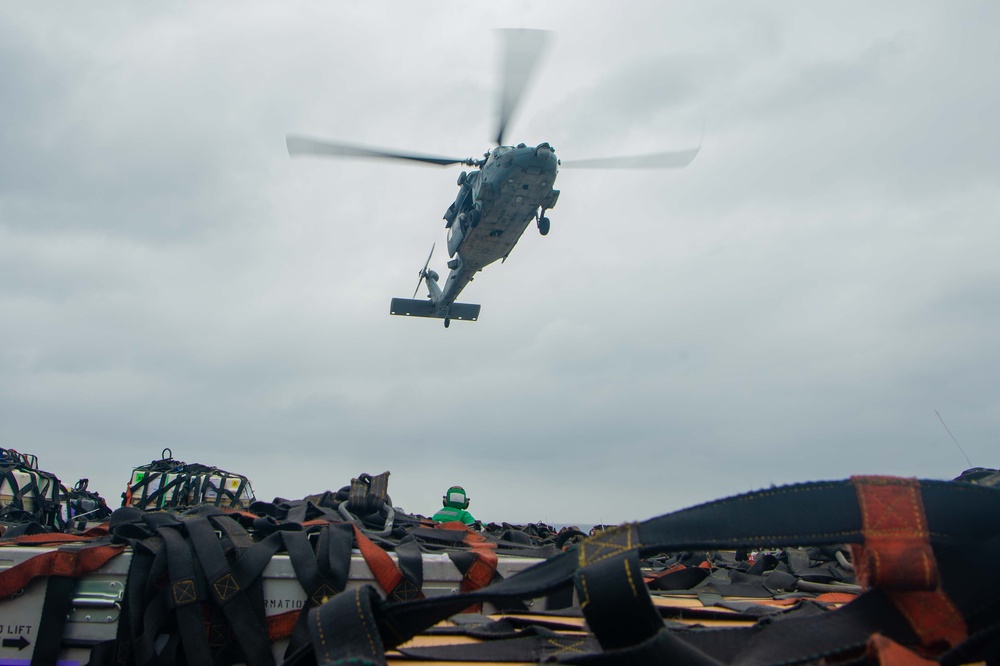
(495, 203)
(511, 188)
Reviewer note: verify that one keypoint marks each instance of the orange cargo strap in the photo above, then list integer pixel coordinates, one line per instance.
(897, 558)
(56, 537)
(282, 625)
(386, 573)
(483, 567)
(69, 563)
(482, 570)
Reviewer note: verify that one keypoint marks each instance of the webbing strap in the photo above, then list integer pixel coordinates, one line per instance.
(482, 572)
(54, 538)
(283, 625)
(532, 645)
(897, 557)
(368, 493)
(128, 639)
(411, 564)
(478, 566)
(186, 596)
(57, 605)
(344, 630)
(227, 592)
(896, 553)
(817, 513)
(333, 553)
(887, 652)
(322, 575)
(71, 563)
(392, 581)
(615, 601)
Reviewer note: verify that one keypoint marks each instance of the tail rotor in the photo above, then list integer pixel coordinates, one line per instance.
(424, 273)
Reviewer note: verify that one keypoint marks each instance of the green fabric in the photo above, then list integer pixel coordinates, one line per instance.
(448, 515)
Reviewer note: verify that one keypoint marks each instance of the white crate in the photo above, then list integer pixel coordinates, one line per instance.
(170, 498)
(97, 601)
(45, 489)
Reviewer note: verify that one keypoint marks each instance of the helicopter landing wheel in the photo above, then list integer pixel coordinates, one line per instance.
(474, 216)
(543, 226)
(447, 322)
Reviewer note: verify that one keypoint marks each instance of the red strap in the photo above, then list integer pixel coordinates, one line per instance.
(897, 553)
(280, 626)
(897, 557)
(886, 652)
(386, 573)
(934, 617)
(454, 525)
(480, 573)
(101, 530)
(835, 597)
(71, 563)
(660, 574)
(55, 537)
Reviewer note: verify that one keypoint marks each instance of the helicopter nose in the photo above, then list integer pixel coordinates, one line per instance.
(543, 150)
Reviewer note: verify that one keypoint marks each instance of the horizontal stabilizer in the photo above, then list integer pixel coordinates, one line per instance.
(410, 307)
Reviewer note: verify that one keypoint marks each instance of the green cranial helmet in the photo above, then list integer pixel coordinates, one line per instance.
(456, 498)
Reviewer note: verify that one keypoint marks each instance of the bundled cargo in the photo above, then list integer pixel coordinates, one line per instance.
(30, 495)
(169, 484)
(870, 570)
(86, 506)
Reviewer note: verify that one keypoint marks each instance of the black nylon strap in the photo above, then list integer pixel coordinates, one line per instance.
(153, 615)
(811, 514)
(129, 622)
(333, 553)
(228, 593)
(533, 645)
(186, 596)
(344, 629)
(307, 572)
(411, 565)
(58, 603)
(803, 514)
(322, 574)
(615, 601)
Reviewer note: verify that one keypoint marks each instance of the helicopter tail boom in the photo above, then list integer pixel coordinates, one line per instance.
(411, 307)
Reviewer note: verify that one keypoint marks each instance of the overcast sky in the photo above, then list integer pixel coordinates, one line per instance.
(793, 306)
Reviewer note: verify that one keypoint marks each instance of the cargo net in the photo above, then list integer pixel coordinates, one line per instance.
(86, 506)
(171, 484)
(30, 495)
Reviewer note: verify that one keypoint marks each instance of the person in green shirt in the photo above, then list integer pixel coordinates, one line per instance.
(455, 503)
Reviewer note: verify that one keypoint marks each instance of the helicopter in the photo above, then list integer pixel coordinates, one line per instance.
(506, 190)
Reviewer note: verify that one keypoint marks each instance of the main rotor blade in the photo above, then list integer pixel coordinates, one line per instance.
(521, 50)
(677, 159)
(299, 145)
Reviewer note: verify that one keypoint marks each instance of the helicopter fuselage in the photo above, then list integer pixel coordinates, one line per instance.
(495, 204)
